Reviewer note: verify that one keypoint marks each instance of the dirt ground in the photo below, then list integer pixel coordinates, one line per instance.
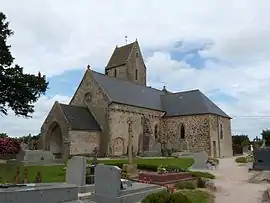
(233, 186)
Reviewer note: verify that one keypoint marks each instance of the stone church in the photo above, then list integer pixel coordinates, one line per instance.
(107, 107)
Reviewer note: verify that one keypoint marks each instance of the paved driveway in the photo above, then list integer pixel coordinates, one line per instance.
(232, 182)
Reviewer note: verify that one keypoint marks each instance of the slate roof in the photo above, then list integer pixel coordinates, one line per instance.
(189, 103)
(125, 92)
(80, 118)
(174, 104)
(120, 56)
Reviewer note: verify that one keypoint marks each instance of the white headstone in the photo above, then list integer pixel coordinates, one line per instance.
(76, 170)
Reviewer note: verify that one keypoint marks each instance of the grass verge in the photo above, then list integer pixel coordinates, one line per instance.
(57, 174)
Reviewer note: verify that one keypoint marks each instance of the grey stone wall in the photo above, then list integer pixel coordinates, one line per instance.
(223, 142)
(118, 124)
(83, 142)
(98, 105)
(55, 117)
(196, 132)
(128, 71)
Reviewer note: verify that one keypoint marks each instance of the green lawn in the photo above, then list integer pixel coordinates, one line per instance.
(197, 196)
(57, 174)
(180, 162)
(48, 173)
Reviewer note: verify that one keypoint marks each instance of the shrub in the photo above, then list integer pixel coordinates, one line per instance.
(201, 183)
(166, 197)
(186, 185)
(241, 160)
(179, 197)
(9, 146)
(159, 197)
(199, 174)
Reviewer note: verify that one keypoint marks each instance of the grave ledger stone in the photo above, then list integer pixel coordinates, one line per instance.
(261, 159)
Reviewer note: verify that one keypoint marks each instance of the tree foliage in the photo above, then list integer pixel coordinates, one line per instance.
(238, 142)
(18, 90)
(266, 136)
(9, 146)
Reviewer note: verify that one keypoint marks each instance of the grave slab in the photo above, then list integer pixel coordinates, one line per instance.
(40, 193)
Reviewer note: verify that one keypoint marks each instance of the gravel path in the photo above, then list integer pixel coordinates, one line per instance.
(233, 186)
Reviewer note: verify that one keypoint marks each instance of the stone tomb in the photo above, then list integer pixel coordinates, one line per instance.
(110, 189)
(34, 155)
(38, 193)
(164, 178)
(261, 159)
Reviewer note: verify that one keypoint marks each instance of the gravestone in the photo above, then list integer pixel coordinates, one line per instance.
(261, 159)
(76, 170)
(200, 160)
(110, 188)
(107, 183)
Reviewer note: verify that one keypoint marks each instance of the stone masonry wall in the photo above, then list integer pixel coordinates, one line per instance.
(128, 71)
(55, 116)
(83, 142)
(97, 103)
(118, 122)
(196, 131)
(134, 63)
(223, 143)
(121, 72)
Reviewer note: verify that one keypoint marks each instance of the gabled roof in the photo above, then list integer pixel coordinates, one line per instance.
(125, 92)
(120, 56)
(174, 104)
(80, 118)
(189, 103)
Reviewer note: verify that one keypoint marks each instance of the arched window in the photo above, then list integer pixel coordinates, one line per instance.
(221, 131)
(156, 131)
(136, 74)
(115, 73)
(182, 131)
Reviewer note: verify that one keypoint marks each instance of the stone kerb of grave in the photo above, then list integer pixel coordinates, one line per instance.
(110, 188)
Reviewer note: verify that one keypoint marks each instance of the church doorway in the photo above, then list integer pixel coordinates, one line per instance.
(55, 140)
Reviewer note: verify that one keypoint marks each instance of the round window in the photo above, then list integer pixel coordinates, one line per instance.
(88, 97)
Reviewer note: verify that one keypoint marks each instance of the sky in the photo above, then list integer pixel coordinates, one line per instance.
(219, 47)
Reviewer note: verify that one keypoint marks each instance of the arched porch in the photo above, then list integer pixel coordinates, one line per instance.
(54, 140)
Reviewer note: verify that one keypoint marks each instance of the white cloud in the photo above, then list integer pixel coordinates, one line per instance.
(19, 126)
(55, 36)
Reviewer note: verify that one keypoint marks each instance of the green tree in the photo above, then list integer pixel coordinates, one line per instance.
(2, 135)
(18, 90)
(238, 142)
(266, 136)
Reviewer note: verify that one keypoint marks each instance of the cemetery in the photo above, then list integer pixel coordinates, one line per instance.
(39, 175)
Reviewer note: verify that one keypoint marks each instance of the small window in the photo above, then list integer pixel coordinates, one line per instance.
(115, 73)
(182, 134)
(137, 54)
(136, 74)
(88, 97)
(156, 131)
(221, 131)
